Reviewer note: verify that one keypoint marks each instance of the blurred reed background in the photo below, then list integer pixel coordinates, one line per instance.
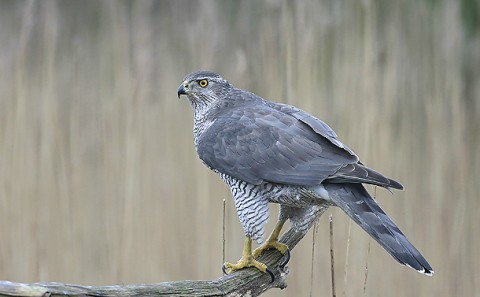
(99, 180)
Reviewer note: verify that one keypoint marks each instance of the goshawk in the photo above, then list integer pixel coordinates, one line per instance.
(268, 152)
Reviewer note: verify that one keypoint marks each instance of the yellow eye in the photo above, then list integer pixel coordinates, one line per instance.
(203, 83)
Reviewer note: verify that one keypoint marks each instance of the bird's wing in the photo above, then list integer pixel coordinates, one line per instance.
(257, 143)
(351, 173)
(358, 173)
(316, 124)
(355, 201)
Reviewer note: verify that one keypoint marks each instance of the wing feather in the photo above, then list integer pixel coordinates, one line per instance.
(281, 144)
(258, 143)
(351, 173)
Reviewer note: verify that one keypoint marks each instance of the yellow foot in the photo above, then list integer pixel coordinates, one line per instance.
(245, 263)
(247, 260)
(270, 244)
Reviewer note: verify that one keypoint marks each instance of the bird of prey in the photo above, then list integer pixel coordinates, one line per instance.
(268, 152)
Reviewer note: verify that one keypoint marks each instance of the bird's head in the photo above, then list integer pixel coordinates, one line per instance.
(203, 87)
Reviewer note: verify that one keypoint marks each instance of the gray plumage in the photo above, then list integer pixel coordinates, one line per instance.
(269, 152)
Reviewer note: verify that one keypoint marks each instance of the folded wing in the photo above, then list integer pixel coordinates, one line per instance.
(258, 143)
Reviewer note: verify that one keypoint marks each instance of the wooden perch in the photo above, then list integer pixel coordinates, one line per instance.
(247, 282)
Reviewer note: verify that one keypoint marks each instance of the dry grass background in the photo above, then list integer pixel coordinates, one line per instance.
(99, 180)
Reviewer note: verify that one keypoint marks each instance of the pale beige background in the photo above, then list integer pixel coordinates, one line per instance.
(99, 180)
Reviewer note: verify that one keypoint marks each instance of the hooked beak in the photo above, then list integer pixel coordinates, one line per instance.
(182, 89)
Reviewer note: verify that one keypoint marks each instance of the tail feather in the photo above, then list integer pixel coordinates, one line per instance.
(355, 201)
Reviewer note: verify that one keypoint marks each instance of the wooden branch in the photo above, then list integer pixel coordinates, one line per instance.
(247, 282)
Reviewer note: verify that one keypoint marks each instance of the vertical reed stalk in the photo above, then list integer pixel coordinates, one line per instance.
(332, 263)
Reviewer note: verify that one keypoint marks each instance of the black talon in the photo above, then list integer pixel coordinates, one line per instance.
(271, 274)
(224, 269)
(286, 259)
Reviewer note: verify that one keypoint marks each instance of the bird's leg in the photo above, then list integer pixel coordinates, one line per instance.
(272, 242)
(247, 260)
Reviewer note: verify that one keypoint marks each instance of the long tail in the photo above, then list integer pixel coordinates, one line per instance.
(355, 201)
